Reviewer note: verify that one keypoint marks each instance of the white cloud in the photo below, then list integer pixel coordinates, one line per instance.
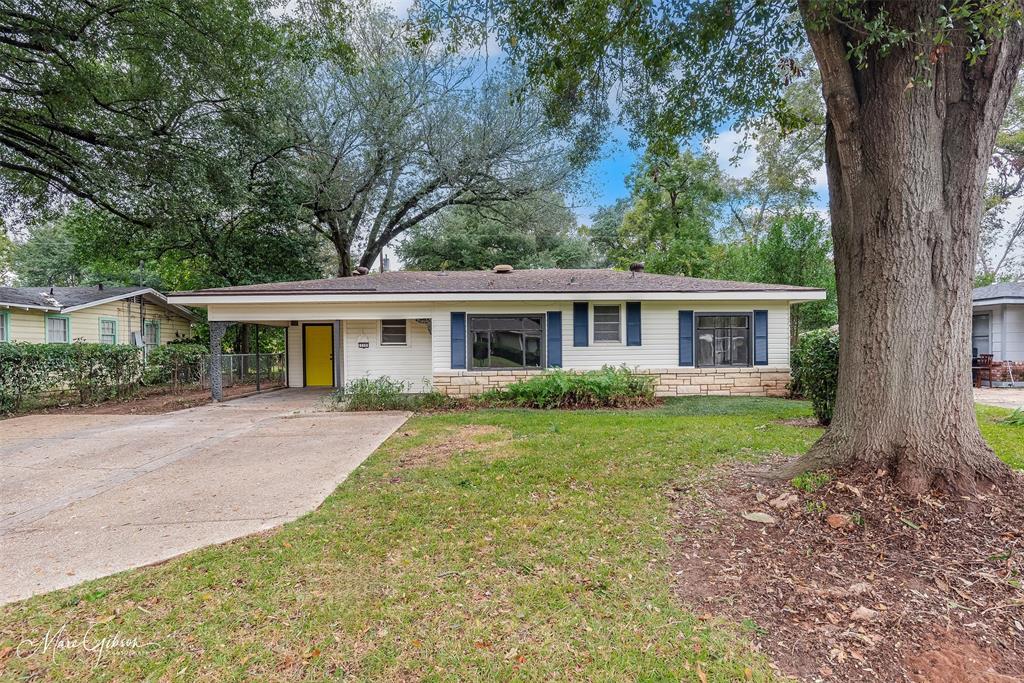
(732, 161)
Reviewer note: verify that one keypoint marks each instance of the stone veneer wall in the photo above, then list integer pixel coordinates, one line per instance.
(753, 381)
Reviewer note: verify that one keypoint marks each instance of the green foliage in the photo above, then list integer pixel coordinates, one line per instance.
(176, 364)
(603, 232)
(47, 258)
(386, 393)
(535, 232)
(380, 393)
(815, 364)
(809, 482)
(797, 250)
(111, 100)
(815, 507)
(416, 128)
(675, 201)
(1016, 419)
(92, 372)
(609, 387)
(680, 69)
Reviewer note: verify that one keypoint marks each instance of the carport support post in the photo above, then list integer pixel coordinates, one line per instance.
(257, 357)
(217, 330)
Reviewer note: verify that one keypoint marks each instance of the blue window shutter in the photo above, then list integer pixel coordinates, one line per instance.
(686, 339)
(458, 341)
(760, 337)
(632, 323)
(580, 323)
(554, 339)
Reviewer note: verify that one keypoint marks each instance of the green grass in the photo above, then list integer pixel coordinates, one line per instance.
(536, 550)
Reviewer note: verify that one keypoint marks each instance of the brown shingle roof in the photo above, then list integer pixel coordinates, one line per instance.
(483, 281)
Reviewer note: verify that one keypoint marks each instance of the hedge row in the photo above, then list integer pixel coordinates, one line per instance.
(91, 371)
(176, 364)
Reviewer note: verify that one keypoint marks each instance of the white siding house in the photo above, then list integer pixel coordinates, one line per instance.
(998, 324)
(462, 332)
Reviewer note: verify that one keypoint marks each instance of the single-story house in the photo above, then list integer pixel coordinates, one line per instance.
(998, 323)
(462, 332)
(106, 315)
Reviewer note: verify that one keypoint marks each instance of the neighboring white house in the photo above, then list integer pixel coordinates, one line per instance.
(461, 332)
(998, 325)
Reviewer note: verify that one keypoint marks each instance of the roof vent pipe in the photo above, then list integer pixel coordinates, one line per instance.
(637, 267)
(503, 268)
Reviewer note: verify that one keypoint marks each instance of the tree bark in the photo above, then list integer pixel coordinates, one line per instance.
(906, 169)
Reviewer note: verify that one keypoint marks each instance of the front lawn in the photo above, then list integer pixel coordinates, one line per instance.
(489, 545)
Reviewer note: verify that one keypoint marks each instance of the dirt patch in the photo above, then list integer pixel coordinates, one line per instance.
(855, 581)
(147, 402)
(799, 422)
(485, 439)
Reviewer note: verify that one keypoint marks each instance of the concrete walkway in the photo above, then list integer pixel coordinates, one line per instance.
(1003, 398)
(84, 496)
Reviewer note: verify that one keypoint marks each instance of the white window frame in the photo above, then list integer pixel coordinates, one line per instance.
(390, 321)
(593, 323)
(5, 326)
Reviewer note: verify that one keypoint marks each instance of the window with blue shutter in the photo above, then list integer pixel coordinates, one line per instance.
(580, 323)
(554, 340)
(760, 337)
(632, 323)
(686, 339)
(458, 336)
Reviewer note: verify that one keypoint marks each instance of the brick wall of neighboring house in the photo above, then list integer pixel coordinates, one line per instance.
(1002, 371)
(754, 381)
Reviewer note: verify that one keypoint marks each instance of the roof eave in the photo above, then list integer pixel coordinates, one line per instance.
(29, 307)
(211, 298)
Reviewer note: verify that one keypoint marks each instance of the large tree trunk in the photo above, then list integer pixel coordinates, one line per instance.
(906, 169)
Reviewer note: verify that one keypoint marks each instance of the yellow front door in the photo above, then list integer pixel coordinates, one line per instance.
(319, 355)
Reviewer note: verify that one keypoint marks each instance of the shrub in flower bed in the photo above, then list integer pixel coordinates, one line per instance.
(387, 393)
(92, 372)
(609, 387)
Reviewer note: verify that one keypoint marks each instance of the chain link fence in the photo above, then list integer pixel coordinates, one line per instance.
(265, 369)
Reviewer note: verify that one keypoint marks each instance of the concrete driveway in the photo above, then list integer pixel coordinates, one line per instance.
(83, 496)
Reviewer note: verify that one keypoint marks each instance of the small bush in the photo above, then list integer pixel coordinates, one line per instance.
(1017, 418)
(609, 387)
(380, 393)
(815, 366)
(809, 482)
(386, 393)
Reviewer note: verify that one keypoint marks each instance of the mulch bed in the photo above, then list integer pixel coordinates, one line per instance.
(856, 581)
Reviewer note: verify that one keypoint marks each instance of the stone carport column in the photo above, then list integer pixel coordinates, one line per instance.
(217, 330)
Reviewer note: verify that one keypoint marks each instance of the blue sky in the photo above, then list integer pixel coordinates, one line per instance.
(605, 180)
